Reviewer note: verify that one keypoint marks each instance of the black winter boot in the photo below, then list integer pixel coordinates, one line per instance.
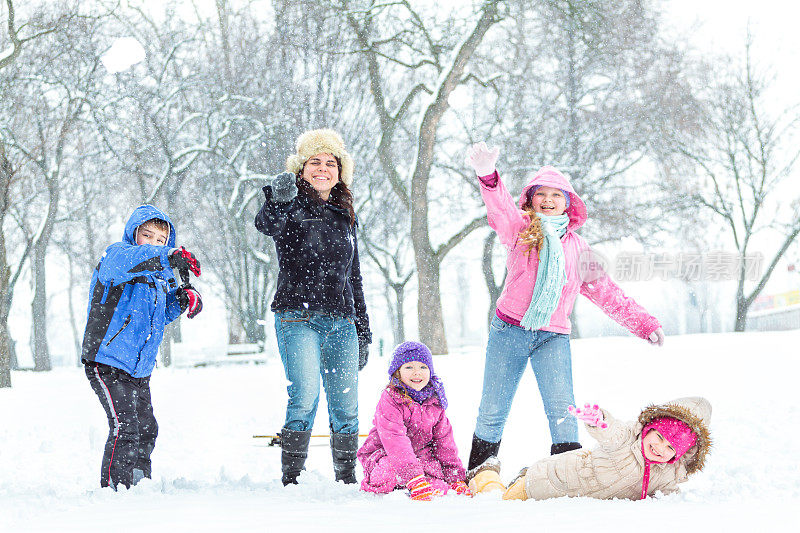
(294, 451)
(481, 450)
(562, 447)
(343, 448)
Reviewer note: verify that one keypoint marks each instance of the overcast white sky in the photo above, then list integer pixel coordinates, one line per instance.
(721, 27)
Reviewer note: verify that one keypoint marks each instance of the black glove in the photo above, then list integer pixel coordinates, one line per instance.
(183, 259)
(284, 187)
(189, 298)
(363, 353)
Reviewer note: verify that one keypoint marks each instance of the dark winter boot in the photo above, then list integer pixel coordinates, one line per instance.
(343, 448)
(294, 451)
(481, 450)
(562, 447)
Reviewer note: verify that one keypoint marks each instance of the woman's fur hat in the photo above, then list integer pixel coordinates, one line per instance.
(326, 141)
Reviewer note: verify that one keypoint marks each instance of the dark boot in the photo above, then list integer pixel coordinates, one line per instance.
(562, 447)
(481, 450)
(294, 451)
(343, 448)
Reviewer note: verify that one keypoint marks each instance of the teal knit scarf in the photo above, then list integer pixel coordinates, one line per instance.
(551, 276)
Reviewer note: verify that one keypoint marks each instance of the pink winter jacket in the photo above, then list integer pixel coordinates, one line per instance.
(508, 220)
(417, 438)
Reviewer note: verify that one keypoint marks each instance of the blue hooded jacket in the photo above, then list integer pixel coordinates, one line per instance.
(131, 299)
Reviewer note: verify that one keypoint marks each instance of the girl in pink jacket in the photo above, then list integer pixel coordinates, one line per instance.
(548, 264)
(411, 442)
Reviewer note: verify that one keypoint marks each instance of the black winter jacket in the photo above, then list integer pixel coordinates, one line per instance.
(317, 257)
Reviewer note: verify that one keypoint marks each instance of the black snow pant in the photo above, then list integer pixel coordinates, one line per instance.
(132, 427)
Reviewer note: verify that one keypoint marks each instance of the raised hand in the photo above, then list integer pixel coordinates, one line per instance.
(482, 158)
(589, 414)
(657, 337)
(181, 258)
(284, 187)
(419, 489)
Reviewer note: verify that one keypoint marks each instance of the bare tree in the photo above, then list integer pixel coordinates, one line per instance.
(746, 157)
(412, 74)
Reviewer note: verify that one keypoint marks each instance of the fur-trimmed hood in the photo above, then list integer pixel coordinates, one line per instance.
(696, 413)
(325, 141)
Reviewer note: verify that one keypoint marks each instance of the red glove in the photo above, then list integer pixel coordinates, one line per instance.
(181, 258)
(461, 489)
(189, 298)
(420, 490)
(590, 414)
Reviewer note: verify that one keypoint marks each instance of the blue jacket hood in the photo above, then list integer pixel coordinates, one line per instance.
(142, 214)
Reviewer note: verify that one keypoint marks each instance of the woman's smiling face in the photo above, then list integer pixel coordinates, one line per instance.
(549, 201)
(415, 375)
(322, 172)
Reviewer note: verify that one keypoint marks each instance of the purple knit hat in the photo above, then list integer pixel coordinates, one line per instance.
(416, 351)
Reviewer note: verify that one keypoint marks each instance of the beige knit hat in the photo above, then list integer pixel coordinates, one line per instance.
(315, 142)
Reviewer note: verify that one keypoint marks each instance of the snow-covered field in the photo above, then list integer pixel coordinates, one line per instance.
(210, 475)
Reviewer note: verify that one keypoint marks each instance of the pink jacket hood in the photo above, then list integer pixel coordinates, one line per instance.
(548, 176)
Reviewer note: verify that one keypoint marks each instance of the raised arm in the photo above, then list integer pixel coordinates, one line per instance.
(279, 195)
(502, 212)
(123, 262)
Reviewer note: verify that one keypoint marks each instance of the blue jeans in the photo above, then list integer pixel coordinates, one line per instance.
(313, 345)
(508, 351)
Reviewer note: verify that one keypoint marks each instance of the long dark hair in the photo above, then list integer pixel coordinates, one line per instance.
(340, 193)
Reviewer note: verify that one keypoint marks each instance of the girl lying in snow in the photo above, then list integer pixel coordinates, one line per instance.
(655, 453)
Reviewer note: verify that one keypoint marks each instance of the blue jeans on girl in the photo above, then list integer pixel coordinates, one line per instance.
(508, 351)
(312, 345)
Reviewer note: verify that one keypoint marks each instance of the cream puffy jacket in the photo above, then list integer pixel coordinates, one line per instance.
(615, 467)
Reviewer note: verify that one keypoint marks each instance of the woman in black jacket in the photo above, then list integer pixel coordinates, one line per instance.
(321, 321)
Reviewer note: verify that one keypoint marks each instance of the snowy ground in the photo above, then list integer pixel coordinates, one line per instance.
(210, 475)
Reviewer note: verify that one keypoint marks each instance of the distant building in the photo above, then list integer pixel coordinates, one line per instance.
(775, 312)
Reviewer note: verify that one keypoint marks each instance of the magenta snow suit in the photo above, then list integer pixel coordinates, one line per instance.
(408, 439)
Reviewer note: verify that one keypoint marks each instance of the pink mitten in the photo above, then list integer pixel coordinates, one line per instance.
(590, 414)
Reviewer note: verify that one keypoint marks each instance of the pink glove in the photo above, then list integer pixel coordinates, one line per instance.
(461, 489)
(419, 489)
(657, 337)
(482, 158)
(589, 414)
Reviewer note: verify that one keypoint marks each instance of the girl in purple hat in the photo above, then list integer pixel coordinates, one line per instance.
(411, 442)
(548, 265)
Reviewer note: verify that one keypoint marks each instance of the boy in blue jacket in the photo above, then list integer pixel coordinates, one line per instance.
(133, 295)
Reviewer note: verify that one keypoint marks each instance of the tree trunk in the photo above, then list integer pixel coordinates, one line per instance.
(41, 352)
(429, 300)
(5, 335)
(741, 314)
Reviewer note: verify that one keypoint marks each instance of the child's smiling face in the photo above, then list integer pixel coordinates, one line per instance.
(549, 201)
(657, 448)
(415, 375)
